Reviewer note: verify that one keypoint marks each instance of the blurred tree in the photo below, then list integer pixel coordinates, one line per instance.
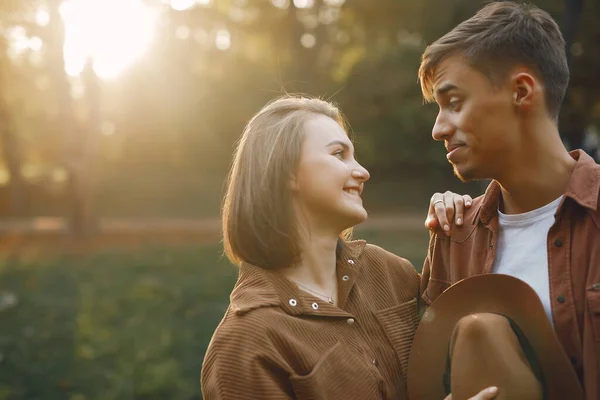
(11, 149)
(76, 139)
(169, 122)
(582, 103)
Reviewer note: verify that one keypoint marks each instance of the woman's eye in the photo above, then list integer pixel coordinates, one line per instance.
(339, 154)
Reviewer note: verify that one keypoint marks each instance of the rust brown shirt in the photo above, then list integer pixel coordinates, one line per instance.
(278, 342)
(573, 264)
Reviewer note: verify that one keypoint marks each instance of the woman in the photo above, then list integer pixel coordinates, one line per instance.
(313, 315)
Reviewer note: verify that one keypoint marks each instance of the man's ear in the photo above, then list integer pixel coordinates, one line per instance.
(525, 90)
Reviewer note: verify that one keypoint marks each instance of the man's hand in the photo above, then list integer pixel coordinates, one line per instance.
(485, 394)
(446, 209)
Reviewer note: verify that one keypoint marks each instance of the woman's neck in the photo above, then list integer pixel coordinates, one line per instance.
(317, 268)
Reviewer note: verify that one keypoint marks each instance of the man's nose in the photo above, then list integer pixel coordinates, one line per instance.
(442, 128)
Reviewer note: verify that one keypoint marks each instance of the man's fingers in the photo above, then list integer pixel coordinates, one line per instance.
(449, 203)
(431, 222)
(468, 200)
(441, 216)
(486, 394)
(445, 209)
(459, 209)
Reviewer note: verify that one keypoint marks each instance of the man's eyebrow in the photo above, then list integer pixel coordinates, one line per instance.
(444, 88)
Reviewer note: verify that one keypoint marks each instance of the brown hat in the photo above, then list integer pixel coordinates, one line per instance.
(490, 293)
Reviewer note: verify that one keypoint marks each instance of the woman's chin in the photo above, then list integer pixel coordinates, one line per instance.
(356, 217)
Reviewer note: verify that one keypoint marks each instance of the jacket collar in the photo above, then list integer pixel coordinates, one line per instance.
(257, 287)
(583, 187)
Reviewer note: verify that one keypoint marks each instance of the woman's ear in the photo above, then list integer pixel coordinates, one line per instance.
(293, 183)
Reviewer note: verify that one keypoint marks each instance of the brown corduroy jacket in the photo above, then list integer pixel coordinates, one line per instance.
(278, 342)
(573, 264)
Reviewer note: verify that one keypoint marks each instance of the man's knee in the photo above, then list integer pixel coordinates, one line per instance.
(480, 326)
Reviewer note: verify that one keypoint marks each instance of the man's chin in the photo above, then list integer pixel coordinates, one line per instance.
(464, 174)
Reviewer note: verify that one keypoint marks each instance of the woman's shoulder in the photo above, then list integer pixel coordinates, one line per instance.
(377, 260)
(375, 253)
(254, 321)
(242, 332)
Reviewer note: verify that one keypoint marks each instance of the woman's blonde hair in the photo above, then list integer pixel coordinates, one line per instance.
(258, 220)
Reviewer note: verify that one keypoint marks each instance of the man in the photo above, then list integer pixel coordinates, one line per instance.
(499, 79)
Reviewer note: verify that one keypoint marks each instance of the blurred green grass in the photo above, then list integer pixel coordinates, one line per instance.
(122, 324)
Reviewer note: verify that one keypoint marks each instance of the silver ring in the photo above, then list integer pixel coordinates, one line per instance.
(438, 201)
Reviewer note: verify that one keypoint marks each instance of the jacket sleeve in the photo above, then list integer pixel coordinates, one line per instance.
(231, 371)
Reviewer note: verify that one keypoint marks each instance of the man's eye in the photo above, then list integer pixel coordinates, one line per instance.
(454, 105)
(339, 153)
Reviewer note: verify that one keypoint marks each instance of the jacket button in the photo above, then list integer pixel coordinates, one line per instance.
(558, 243)
(351, 262)
(560, 299)
(350, 321)
(596, 287)
(346, 277)
(293, 302)
(315, 306)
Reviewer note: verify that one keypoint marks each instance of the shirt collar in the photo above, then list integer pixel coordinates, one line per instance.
(258, 287)
(583, 187)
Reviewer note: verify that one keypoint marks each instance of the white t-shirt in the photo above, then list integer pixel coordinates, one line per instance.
(522, 249)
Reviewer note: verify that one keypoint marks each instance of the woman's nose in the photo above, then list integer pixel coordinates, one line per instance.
(361, 173)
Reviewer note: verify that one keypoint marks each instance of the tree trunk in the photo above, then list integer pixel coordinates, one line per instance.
(79, 213)
(12, 154)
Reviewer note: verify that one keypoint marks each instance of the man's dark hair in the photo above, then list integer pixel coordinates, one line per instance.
(500, 36)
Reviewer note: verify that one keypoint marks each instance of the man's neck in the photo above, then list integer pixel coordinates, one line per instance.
(538, 175)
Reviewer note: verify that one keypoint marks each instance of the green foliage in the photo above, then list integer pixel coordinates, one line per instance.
(112, 326)
(124, 325)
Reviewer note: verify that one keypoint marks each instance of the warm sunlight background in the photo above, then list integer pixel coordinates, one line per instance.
(112, 33)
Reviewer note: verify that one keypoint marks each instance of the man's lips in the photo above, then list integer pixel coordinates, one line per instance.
(453, 146)
(452, 150)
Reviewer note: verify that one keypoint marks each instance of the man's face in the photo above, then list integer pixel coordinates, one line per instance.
(477, 121)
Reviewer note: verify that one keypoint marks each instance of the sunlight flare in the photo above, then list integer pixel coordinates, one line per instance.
(113, 33)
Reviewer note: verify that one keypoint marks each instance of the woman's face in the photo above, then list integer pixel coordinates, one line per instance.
(329, 181)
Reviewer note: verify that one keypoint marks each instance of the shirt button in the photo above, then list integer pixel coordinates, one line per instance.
(293, 302)
(346, 277)
(596, 287)
(560, 299)
(315, 306)
(574, 360)
(350, 321)
(351, 262)
(558, 243)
